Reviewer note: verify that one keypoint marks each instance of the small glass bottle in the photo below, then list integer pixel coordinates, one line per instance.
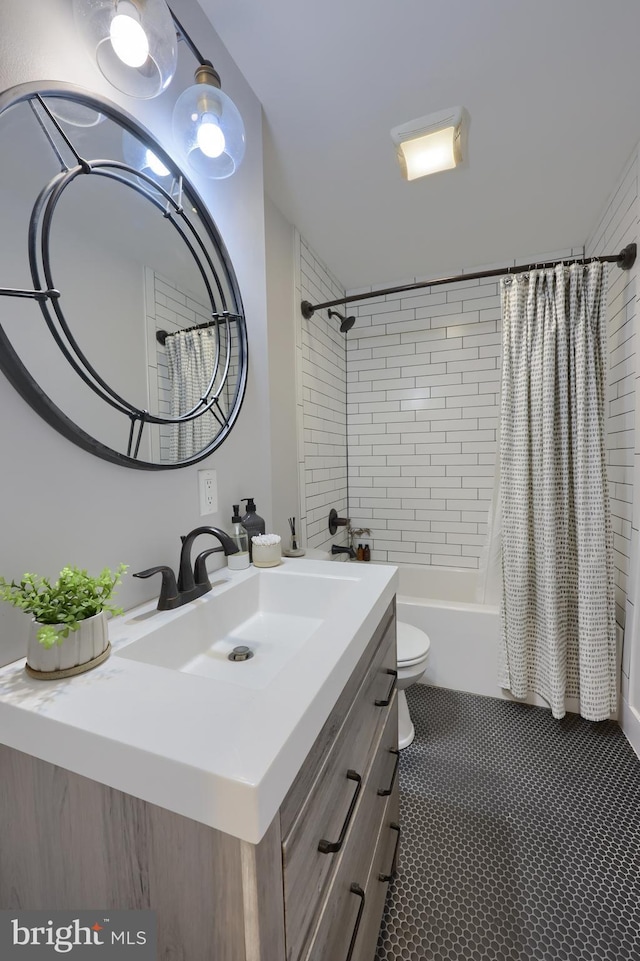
(366, 554)
(239, 536)
(360, 552)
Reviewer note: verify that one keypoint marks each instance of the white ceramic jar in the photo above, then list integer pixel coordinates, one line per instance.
(266, 550)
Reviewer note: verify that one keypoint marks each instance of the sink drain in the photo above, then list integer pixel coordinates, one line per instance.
(241, 653)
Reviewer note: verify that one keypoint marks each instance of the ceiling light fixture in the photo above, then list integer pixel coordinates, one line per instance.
(431, 143)
(133, 42)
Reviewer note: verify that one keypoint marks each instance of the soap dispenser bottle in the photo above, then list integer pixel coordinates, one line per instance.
(239, 536)
(252, 522)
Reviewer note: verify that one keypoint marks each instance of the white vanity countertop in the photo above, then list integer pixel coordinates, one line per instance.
(220, 753)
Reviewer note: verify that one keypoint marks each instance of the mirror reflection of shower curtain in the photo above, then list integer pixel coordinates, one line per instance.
(192, 355)
(558, 610)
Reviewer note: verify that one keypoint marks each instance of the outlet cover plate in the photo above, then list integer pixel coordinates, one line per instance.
(208, 487)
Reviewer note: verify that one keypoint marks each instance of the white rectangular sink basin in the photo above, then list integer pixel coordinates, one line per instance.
(274, 613)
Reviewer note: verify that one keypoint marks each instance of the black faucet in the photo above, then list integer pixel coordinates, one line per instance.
(186, 579)
(192, 581)
(336, 549)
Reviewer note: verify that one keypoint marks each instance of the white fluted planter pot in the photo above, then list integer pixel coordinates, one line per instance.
(79, 652)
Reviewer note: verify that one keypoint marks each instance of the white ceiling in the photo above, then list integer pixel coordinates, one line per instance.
(552, 88)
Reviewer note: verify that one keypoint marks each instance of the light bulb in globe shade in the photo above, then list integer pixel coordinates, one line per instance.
(210, 138)
(155, 165)
(208, 125)
(132, 42)
(138, 155)
(129, 40)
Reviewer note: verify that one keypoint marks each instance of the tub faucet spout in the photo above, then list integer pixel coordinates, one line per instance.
(336, 549)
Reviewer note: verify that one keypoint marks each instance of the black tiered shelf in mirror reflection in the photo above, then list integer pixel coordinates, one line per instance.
(121, 321)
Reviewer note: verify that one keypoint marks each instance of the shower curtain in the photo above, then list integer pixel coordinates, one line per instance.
(558, 611)
(191, 355)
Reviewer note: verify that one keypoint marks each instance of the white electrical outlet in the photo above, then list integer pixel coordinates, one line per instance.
(208, 484)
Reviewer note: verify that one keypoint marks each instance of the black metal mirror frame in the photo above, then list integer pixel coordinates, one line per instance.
(48, 297)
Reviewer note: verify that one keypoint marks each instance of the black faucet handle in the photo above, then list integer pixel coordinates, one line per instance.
(169, 596)
(200, 567)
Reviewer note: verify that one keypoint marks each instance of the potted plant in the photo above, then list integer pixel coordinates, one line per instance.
(69, 628)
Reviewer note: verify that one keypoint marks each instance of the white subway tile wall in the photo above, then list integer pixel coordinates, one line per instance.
(321, 398)
(423, 402)
(617, 227)
(423, 407)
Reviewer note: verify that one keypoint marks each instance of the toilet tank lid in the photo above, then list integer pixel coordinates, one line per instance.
(413, 644)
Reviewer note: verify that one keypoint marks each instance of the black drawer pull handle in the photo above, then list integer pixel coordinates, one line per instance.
(387, 700)
(385, 792)
(330, 847)
(389, 877)
(356, 889)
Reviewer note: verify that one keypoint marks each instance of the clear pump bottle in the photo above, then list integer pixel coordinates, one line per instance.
(239, 536)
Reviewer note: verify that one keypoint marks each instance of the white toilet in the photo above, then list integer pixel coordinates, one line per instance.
(413, 652)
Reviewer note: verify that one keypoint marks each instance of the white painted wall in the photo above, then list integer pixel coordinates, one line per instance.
(282, 369)
(59, 504)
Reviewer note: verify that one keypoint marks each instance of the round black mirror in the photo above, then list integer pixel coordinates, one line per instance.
(121, 321)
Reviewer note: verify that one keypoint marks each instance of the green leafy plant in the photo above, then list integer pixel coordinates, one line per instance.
(75, 596)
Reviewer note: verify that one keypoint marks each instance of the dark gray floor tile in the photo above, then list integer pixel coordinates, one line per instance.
(521, 837)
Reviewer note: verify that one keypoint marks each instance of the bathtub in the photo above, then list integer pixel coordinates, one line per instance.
(464, 635)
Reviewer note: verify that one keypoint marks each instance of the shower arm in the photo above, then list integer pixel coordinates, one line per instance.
(625, 260)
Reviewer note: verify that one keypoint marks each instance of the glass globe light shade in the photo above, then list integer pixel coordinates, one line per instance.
(133, 42)
(208, 126)
(139, 156)
(75, 114)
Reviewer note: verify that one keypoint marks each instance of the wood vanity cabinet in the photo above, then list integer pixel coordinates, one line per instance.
(339, 822)
(312, 890)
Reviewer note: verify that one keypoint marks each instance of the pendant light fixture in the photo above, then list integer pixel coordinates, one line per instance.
(208, 126)
(133, 42)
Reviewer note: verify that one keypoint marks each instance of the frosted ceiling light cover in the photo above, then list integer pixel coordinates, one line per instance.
(430, 144)
(209, 128)
(133, 42)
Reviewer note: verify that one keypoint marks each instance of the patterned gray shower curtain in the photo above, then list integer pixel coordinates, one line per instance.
(191, 358)
(558, 609)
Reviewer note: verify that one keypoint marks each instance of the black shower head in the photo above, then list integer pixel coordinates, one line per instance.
(346, 323)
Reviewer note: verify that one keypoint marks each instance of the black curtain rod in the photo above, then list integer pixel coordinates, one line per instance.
(625, 260)
(161, 335)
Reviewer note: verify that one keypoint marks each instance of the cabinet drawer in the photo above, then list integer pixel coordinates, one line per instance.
(344, 908)
(383, 867)
(321, 830)
(312, 769)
